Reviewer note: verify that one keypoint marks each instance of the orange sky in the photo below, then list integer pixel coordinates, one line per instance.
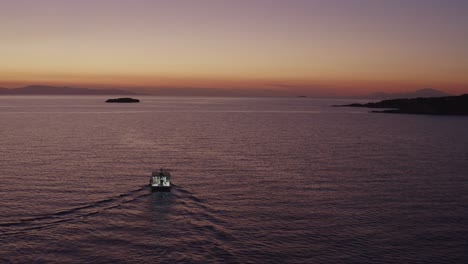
(344, 47)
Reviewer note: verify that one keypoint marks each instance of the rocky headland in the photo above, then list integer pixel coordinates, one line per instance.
(447, 105)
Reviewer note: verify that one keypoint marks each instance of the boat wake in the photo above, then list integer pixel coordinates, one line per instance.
(71, 215)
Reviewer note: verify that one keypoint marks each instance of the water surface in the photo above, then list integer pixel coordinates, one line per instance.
(258, 180)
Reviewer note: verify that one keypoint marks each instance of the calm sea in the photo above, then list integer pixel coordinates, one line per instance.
(258, 180)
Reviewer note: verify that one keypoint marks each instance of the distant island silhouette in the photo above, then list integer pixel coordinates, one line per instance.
(54, 90)
(123, 100)
(447, 105)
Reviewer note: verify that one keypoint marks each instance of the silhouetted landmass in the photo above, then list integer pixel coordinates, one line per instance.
(427, 92)
(123, 100)
(447, 105)
(53, 90)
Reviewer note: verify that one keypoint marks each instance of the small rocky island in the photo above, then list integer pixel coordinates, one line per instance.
(123, 100)
(447, 105)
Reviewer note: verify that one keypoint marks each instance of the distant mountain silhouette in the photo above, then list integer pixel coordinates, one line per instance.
(197, 91)
(53, 90)
(427, 92)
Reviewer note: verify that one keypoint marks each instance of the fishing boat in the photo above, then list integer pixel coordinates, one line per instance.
(160, 180)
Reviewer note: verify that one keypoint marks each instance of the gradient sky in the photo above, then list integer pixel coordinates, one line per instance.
(343, 46)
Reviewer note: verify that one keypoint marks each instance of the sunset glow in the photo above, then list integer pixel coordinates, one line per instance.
(347, 47)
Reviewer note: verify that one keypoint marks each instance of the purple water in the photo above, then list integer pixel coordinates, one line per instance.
(258, 180)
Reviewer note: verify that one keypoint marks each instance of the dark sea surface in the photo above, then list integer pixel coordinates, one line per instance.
(258, 180)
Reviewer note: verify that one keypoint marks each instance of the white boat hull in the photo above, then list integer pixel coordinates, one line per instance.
(160, 181)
